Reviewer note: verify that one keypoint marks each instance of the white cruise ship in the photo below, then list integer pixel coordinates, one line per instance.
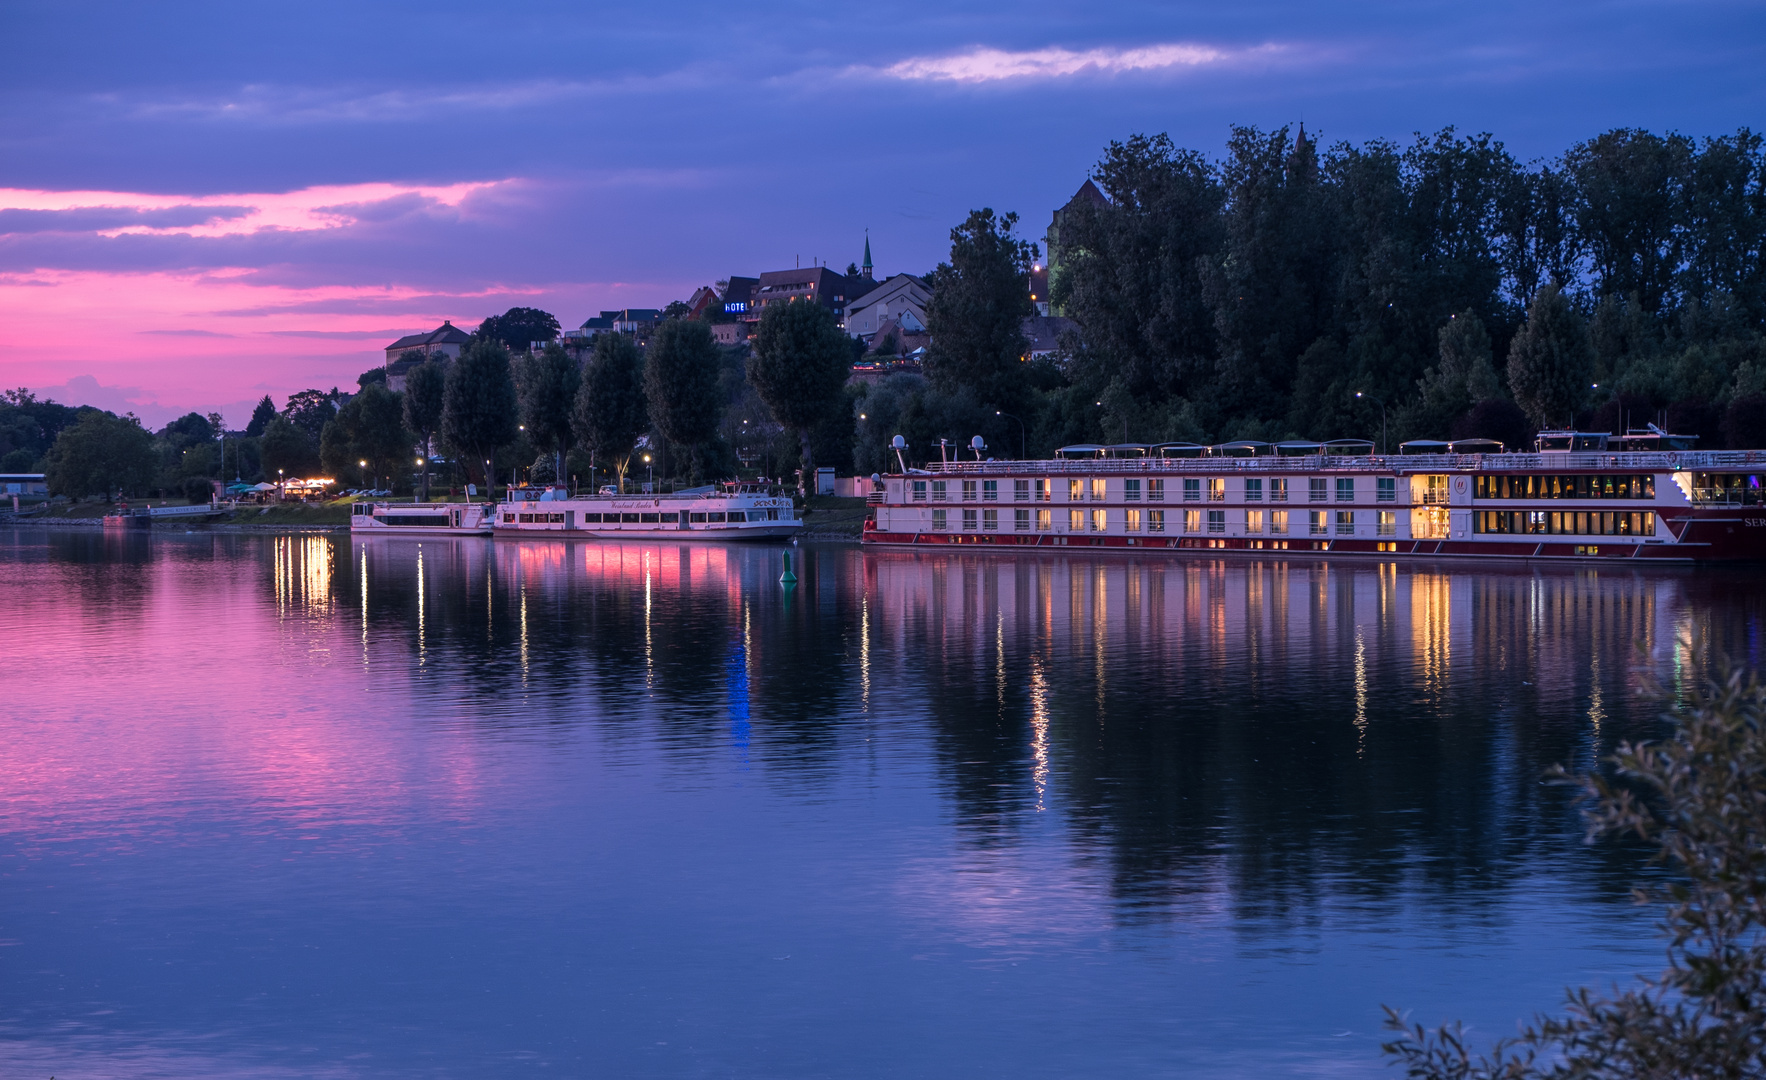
(420, 519)
(726, 512)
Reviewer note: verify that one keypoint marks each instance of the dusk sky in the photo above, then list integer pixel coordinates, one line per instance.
(204, 203)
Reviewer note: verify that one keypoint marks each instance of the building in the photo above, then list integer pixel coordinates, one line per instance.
(445, 340)
(1044, 334)
(702, 300)
(1087, 195)
(28, 483)
(815, 283)
(730, 333)
(738, 295)
(900, 300)
(639, 321)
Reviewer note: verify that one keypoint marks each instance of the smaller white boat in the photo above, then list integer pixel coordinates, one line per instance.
(420, 519)
(725, 512)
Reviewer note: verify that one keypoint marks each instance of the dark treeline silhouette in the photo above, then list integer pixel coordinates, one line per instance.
(1255, 294)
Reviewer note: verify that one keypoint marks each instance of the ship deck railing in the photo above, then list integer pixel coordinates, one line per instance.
(1654, 461)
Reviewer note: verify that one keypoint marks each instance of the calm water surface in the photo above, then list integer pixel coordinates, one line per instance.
(320, 807)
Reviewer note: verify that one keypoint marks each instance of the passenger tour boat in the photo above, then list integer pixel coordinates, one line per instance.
(738, 511)
(1643, 495)
(420, 519)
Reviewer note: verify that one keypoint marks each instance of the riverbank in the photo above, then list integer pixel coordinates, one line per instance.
(826, 519)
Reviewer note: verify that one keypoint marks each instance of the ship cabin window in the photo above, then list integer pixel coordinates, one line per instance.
(1192, 521)
(1385, 489)
(1217, 489)
(1021, 490)
(1315, 489)
(1388, 523)
(1097, 521)
(1345, 523)
(1156, 521)
(1315, 522)
(508, 519)
(939, 520)
(1155, 491)
(715, 517)
(592, 519)
(649, 519)
(919, 491)
(938, 490)
(1192, 489)
(1131, 521)
(1043, 493)
(1131, 490)
(1217, 521)
(1097, 489)
(990, 520)
(1021, 520)
(969, 519)
(1278, 489)
(696, 518)
(1253, 522)
(1559, 486)
(1278, 522)
(1044, 520)
(968, 491)
(1076, 521)
(1565, 522)
(1075, 490)
(628, 519)
(1253, 490)
(990, 491)
(1345, 489)
(1727, 489)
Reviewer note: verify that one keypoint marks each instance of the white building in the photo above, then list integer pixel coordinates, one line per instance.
(902, 298)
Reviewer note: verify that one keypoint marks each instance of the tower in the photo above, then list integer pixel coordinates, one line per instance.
(866, 268)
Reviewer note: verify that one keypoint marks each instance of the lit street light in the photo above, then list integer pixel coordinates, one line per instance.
(1021, 441)
(1382, 406)
(650, 488)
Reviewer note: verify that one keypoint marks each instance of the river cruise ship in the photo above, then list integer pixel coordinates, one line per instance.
(1577, 496)
(420, 519)
(725, 512)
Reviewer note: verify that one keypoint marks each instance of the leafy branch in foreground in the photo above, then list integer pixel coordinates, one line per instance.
(1705, 1016)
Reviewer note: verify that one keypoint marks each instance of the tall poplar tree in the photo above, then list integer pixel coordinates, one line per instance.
(980, 299)
(478, 405)
(681, 385)
(610, 411)
(547, 385)
(425, 387)
(799, 366)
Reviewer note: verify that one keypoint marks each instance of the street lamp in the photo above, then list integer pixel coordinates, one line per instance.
(1382, 406)
(425, 480)
(1021, 444)
(280, 493)
(650, 488)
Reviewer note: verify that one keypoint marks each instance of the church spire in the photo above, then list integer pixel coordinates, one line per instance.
(866, 268)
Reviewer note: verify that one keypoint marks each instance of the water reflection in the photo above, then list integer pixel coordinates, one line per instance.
(1100, 767)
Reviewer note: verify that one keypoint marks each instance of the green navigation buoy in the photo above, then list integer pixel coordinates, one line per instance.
(787, 578)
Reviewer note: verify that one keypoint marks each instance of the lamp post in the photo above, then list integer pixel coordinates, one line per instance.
(1022, 455)
(425, 480)
(1382, 406)
(280, 494)
(650, 486)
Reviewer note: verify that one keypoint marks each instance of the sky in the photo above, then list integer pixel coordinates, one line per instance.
(204, 203)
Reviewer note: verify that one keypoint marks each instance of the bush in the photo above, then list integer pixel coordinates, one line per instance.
(1704, 804)
(198, 489)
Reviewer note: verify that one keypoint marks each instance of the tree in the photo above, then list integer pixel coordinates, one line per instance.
(287, 450)
(681, 385)
(547, 386)
(980, 299)
(261, 417)
(1463, 377)
(311, 410)
(370, 427)
(99, 454)
(478, 404)
(1551, 360)
(799, 367)
(518, 328)
(1700, 797)
(425, 386)
(372, 375)
(610, 411)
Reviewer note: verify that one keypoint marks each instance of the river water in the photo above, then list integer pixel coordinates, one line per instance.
(321, 807)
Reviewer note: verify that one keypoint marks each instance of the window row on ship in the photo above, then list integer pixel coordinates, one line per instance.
(1281, 489)
(1278, 522)
(713, 517)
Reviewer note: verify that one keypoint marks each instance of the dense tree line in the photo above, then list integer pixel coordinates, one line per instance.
(1255, 295)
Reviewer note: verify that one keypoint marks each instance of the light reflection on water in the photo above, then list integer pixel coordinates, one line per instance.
(634, 809)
